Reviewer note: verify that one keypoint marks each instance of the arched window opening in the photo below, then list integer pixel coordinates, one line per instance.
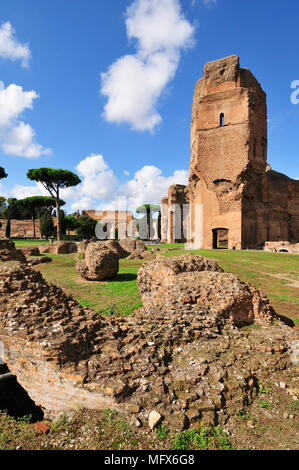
(254, 147)
(221, 119)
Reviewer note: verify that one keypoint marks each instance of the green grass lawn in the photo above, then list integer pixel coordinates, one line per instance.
(274, 273)
(119, 296)
(29, 242)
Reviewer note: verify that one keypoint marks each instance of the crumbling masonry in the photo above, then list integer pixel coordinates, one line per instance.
(182, 354)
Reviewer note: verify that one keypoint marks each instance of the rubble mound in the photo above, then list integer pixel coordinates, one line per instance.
(156, 277)
(35, 260)
(188, 283)
(100, 263)
(30, 251)
(188, 363)
(62, 248)
(8, 251)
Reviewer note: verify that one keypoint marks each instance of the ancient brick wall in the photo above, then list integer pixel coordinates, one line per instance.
(171, 354)
(20, 228)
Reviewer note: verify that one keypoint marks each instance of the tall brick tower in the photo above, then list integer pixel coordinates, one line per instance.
(236, 200)
(228, 156)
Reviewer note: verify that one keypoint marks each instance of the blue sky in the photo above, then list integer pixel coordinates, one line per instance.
(104, 88)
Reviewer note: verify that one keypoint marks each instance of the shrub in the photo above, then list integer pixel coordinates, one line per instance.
(46, 225)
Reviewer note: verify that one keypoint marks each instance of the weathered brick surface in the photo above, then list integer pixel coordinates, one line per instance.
(186, 362)
(193, 283)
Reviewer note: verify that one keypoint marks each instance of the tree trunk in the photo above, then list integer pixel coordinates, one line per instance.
(34, 231)
(58, 216)
(148, 222)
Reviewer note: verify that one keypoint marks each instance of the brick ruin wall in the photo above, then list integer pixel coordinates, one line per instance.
(172, 355)
(20, 228)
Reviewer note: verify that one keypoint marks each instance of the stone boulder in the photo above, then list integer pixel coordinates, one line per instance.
(135, 247)
(115, 246)
(170, 286)
(100, 263)
(8, 251)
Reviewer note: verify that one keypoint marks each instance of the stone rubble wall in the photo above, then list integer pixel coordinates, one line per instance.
(282, 247)
(189, 362)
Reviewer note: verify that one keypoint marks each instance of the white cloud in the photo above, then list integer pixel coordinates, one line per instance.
(21, 191)
(16, 137)
(82, 204)
(13, 101)
(99, 180)
(149, 185)
(10, 48)
(134, 83)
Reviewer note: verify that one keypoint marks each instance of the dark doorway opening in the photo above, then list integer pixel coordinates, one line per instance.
(220, 239)
(14, 400)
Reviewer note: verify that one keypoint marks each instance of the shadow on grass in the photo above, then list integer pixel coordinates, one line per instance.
(125, 277)
(286, 320)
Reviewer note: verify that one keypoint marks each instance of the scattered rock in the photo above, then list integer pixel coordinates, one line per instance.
(38, 260)
(42, 427)
(62, 248)
(250, 424)
(153, 419)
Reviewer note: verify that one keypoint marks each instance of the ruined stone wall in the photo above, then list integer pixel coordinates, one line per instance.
(121, 220)
(20, 228)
